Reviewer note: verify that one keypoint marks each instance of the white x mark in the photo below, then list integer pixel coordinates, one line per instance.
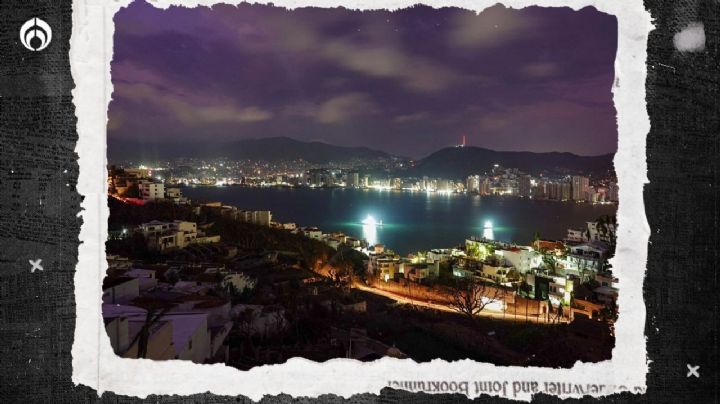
(693, 370)
(36, 265)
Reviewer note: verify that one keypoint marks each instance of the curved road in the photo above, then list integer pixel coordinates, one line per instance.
(499, 315)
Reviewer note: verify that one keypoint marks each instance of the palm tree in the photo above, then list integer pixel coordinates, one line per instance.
(550, 263)
(606, 227)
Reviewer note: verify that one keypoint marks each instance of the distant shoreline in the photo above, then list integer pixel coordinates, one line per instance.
(412, 191)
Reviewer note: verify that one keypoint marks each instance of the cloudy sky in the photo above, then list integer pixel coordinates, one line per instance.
(407, 82)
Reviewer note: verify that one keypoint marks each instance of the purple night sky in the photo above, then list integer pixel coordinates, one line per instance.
(407, 82)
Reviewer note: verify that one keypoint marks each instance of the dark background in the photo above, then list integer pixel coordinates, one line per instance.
(39, 206)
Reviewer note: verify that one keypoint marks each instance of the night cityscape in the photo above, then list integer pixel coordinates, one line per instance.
(292, 183)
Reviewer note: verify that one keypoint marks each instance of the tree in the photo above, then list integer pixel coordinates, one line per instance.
(584, 277)
(233, 293)
(513, 275)
(309, 252)
(341, 269)
(524, 289)
(550, 263)
(171, 276)
(133, 191)
(472, 250)
(606, 227)
(245, 321)
(559, 314)
(470, 296)
(609, 313)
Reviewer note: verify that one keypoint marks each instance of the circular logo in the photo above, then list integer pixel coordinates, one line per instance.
(35, 34)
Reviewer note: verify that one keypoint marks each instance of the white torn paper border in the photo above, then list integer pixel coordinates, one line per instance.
(96, 365)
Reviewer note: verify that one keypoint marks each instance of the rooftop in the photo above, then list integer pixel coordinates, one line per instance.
(110, 282)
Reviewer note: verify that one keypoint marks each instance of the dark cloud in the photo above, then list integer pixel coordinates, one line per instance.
(408, 82)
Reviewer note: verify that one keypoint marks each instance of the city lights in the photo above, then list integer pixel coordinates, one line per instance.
(253, 231)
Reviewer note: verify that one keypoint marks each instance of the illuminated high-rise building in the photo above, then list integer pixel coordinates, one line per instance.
(565, 191)
(580, 188)
(524, 186)
(473, 184)
(353, 180)
(485, 186)
(612, 192)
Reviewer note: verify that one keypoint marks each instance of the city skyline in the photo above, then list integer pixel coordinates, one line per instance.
(409, 82)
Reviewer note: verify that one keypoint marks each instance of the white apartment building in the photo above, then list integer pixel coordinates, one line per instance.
(592, 233)
(165, 235)
(120, 290)
(585, 257)
(312, 232)
(150, 191)
(383, 266)
(259, 217)
(576, 235)
(262, 217)
(522, 258)
(175, 195)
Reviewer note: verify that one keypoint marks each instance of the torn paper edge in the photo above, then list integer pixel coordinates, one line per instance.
(96, 365)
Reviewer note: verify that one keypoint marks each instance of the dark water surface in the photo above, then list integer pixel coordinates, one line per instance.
(412, 221)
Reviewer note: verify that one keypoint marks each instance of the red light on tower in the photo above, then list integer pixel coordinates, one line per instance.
(463, 142)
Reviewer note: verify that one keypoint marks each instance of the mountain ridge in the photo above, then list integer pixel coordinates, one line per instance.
(449, 162)
(458, 162)
(269, 149)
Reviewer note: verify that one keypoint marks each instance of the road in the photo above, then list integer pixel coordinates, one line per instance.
(499, 315)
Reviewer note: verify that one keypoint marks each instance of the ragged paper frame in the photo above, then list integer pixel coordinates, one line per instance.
(96, 365)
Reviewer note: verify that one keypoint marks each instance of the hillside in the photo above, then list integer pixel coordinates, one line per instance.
(269, 149)
(459, 162)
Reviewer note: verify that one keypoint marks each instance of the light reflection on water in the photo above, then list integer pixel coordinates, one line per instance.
(370, 234)
(411, 221)
(488, 233)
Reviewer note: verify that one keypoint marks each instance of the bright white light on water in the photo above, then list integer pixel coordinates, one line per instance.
(488, 232)
(370, 233)
(370, 226)
(369, 221)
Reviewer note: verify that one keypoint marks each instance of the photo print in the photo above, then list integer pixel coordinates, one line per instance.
(432, 198)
